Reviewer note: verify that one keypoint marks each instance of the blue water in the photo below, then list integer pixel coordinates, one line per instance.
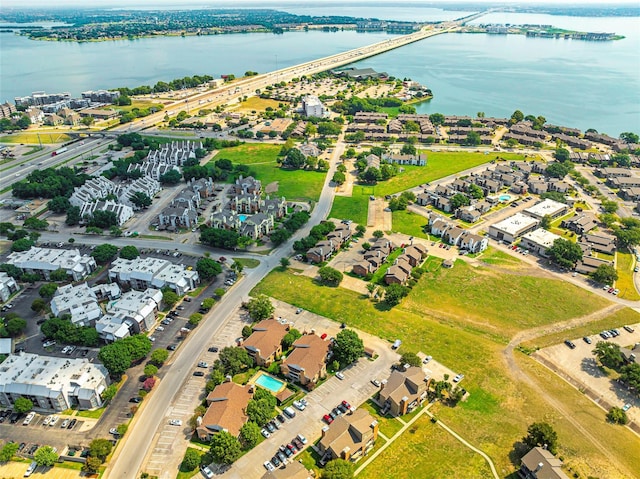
(504, 197)
(242, 218)
(270, 383)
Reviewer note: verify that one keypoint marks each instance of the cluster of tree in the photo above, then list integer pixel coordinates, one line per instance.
(22, 239)
(161, 86)
(372, 174)
(355, 104)
(17, 122)
(627, 232)
(330, 276)
(400, 202)
(565, 253)
(136, 112)
(12, 325)
(537, 121)
(347, 347)
(295, 159)
(104, 253)
(394, 293)
(208, 268)
(541, 434)
(260, 308)
(118, 356)
(290, 225)
(317, 233)
(17, 274)
(49, 183)
(99, 450)
(64, 331)
(219, 238)
(609, 355)
(605, 274)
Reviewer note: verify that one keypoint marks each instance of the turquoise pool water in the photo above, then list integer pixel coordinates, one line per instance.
(504, 197)
(270, 383)
(242, 218)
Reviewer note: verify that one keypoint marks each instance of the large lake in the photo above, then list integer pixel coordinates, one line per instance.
(574, 83)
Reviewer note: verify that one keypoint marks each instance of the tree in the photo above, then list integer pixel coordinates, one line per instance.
(285, 262)
(459, 200)
(437, 118)
(517, 116)
(171, 177)
(140, 199)
(294, 159)
(234, 360)
(473, 139)
(630, 374)
(34, 223)
(47, 290)
(411, 359)
(609, 354)
(339, 178)
(45, 456)
(260, 411)
(562, 154)
(104, 253)
(58, 204)
(195, 319)
(219, 238)
(208, 303)
(15, 326)
(475, 191)
(250, 434)
(191, 460)
(609, 206)
(109, 393)
(22, 405)
(59, 274)
(330, 276)
(150, 370)
(260, 308)
(629, 137)
(116, 358)
(103, 219)
(148, 384)
(361, 229)
(129, 252)
(159, 356)
(73, 216)
(347, 347)
(225, 448)
(92, 465)
(291, 337)
(617, 416)
(605, 274)
(8, 451)
(23, 244)
(408, 149)
(208, 268)
(565, 253)
(546, 222)
(338, 469)
(559, 170)
(541, 434)
(394, 293)
(38, 306)
(169, 297)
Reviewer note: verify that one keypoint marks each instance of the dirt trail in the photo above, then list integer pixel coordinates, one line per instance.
(521, 375)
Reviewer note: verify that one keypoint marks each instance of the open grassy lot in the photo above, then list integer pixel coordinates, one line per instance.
(292, 184)
(387, 425)
(439, 164)
(255, 103)
(405, 458)
(625, 264)
(615, 320)
(139, 104)
(410, 223)
(498, 304)
(28, 137)
(496, 257)
(499, 408)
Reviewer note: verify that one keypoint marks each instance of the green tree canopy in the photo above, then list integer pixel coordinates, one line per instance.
(347, 347)
(48, 290)
(208, 268)
(605, 274)
(617, 416)
(129, 252)
(411, 359)
(8, 451)
(250, 434)
(291, 337)
(159, 356)
(338, 469)
(330, 276)
(104, 253)
(191, 460)
(22, 405)
(541, 433)
(260, 308)
(45, 456)
(100, 448)
(234, 360)
(394, 293)
(609, 354)
(565, 253)
(225, 448)
(169, 297)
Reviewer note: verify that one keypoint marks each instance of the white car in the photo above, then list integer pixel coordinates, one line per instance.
(299, 406)
(206, 472)
(268, 466)
(265, 433)
(53, 421)
(114, 431)
(29, 418)
(176, 422)
(458, 378)
(339, 375)
(46, 421)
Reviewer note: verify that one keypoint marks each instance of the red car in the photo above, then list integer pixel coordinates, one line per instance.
(441, 245)
(328, 419)
(346, 404)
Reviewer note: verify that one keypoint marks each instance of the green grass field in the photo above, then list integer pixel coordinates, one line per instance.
(625, 264)
(410, 223)
(499, 409)
(48, 138)
(255, 103)
(292, 184)
(439, 165)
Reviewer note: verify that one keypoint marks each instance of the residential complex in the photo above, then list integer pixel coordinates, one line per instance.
(306, 364)
(143, 273)
(403, 391)
(51, 383)
(8, 286)
(226, 410)
(265, 343)
(349, 437)
(45, 260)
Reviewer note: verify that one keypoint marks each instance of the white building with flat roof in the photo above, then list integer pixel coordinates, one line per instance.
(547, 207)
(78, 301)
(52, 384)
(45, 260)
(8, 286)
(539, 241)
(139, 306)
(513, 227)
(312, 106)
(143, 273)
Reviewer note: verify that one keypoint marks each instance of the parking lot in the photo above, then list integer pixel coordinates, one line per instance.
(579, 366)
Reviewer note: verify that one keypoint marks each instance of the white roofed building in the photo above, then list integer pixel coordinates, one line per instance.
(143, 273)
(312, 106)
(78, 301)
(539, 241)
(513, 227)
(51, 383)
(139, 307)
(45, 260)
(547, 207)
(8, 286)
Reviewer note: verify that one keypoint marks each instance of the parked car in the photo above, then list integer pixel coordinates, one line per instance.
(72, 424)
(282, 456)
(198, 373)
(328, 419)
(265, 433)
(207, 472)
(114, 431)
(628, 329)
(289, 412)
(270, 427)
(136, 399)
(275, 460)
(587, 339)
(203, 364)
(458, 378)
(302, 439)
(626, 407)
(213, 349)
(570, 344)
(339, 375)
(296, 442)
(176, 422)
(298, 405)
(375, 382)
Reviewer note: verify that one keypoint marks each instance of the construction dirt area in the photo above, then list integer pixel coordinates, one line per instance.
(377, 217)
(580, 368)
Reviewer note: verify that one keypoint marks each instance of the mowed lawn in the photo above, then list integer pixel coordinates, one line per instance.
(47, 138)
(500, 304)
(292, 184)
(625, 263)
(499, 408)
(255, 103)
(409, 223)
(439, 164)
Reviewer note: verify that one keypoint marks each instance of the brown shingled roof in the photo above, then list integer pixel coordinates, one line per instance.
(227, 405)
(266, 337)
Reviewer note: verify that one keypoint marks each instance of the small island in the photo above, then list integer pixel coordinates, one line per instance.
(540, 31)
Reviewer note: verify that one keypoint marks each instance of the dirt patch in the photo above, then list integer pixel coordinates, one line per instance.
(271, 187)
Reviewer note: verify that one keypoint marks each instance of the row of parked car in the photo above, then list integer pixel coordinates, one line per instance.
(285, 452)
(343, 408)
(607, 334)
(275, 424)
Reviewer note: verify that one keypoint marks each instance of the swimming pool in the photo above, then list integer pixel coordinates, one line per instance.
(269, 382)
(242, 218)
(504, 197)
